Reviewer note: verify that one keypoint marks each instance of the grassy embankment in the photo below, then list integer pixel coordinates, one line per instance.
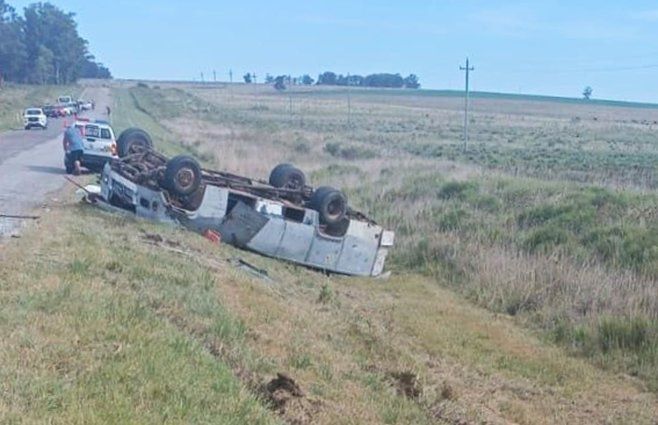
(15, 98)
(115, 319)
(550, 215)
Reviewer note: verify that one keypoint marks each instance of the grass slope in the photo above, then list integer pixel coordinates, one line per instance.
(543, 218)
(142, 323)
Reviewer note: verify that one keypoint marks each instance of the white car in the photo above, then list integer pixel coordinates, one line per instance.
(100, 145)
(35, 117)
(84, 105)
(65, 100)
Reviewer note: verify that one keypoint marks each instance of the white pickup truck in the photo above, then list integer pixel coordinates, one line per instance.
(35, 117)
(100, 145)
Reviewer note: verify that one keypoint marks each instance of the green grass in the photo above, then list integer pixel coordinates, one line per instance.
(92, 335)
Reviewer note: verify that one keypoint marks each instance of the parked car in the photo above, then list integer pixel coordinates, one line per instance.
(100, 145)
(84, 105)
(282, 218)
(51, 111)
(35, 117)
(65, 100)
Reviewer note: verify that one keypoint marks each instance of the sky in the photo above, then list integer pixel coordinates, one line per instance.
(535, 47)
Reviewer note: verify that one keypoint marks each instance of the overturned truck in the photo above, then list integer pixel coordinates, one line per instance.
(282, 218)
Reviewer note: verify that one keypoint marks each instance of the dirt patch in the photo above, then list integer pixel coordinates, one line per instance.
(286, 397)
(407, 385)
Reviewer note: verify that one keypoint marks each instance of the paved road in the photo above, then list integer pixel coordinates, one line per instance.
(31, 164)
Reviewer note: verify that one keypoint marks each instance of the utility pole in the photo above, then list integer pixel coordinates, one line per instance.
(202, 80)
(253, 74)
(214, 76)
(468, 69)
(230, 75)
(349, 103)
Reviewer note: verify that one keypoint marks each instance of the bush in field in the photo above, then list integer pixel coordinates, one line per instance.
(457, 190)
(625, 334)
(348, 152)
(453, 219)
(545, 238)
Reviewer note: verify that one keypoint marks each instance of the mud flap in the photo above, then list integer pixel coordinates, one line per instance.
(241, 225)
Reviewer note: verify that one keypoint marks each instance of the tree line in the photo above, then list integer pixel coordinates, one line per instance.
(43, 47)
(329, 78)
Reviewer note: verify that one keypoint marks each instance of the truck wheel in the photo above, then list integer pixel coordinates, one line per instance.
(182, 175)
(287, 176)
(330, 203)
(132, 141)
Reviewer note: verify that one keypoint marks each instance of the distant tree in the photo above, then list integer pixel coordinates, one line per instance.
(327, 78)
(307, 80)
(355, 80)
(247, 78)
(587, 93)
(280, 82)
(269, 79)
(13, 54)
(44, 46)
(384, 80)
(92, 69)
(51, 32)
(411, 81)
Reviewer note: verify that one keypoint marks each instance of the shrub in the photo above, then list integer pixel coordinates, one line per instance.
(453, 219)
(545, 238)
(348, 152)
(300, 146)
(625, 334)
(457, 190)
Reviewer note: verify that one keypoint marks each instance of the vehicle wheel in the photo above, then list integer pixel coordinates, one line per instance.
(287, 176)
(132, 141)
(330, 203)
(182, 175)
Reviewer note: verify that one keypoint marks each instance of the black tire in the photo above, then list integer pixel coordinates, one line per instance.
(287, 176)
(182, 175)
(132, 140)
(330, 203)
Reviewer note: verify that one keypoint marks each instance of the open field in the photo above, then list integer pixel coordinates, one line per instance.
(517, 295)
(578, 260)
(15, 98)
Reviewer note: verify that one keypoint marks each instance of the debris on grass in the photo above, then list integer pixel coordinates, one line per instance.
(251, 269)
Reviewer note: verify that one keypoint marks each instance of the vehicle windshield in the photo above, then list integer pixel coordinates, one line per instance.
(92, 130)
(33, 112)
